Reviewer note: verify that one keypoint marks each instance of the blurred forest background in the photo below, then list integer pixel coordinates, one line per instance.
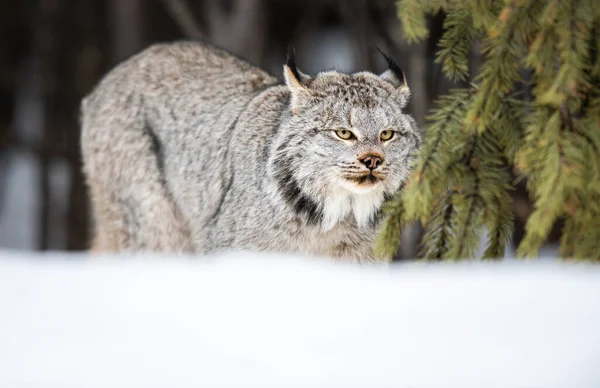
(53, 52)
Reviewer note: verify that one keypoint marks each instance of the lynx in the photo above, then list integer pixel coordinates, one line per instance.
(187, 148)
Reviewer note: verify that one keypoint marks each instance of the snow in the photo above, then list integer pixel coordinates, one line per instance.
(257, 320)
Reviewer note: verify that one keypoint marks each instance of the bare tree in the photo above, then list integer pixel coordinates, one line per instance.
(241, 28)
(127, 28)
(183, 15)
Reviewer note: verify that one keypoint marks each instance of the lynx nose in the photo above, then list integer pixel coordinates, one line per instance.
(372, 161)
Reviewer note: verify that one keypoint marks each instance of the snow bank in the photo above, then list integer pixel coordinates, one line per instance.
(249, 320)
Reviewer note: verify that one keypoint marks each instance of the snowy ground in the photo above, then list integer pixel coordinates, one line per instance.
(249, 320)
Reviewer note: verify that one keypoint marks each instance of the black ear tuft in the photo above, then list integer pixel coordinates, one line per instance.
(393, 66)
(291, 62)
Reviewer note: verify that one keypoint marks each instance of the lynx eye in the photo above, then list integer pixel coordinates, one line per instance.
(345, 134)
(386, 135)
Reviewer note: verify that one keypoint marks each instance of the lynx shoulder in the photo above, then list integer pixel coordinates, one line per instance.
(187, 148)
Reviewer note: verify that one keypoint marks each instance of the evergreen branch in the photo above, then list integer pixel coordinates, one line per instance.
(501, 68)
(593, 71)
(465, 239)
(462, 246)
(484, 12)
(542, 48)
(495, 247)
(448, 115)
(572, 80)
(554, 139)
(595, 50)
(500, 223)
(437, 232)
(455, 45)
(495, 190)
(566, 91)
(568, 119)
(430, 175)
(412, 15)
(550, 188)
(388, 239)
(567, 240)
(442, 246)
(586, 245)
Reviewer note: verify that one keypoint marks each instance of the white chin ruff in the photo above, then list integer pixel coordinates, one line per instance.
(363, 202)
(360, 189)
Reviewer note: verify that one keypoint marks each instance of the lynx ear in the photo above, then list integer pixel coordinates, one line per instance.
(396, 77)
(295, 80)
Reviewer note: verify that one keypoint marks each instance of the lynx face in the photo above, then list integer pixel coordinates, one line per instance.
(345, 144)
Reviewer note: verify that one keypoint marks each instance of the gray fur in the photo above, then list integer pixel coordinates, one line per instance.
(187, 148)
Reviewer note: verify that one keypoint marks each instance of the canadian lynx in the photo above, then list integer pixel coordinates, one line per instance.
(187, 148)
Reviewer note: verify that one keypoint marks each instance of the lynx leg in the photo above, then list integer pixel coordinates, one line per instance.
(131, 205)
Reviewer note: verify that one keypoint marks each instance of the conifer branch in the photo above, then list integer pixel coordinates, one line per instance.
(448, 116)
(456, 44)
(388, 239)
(412, 15)
(551, 135)
(496, 245)
(465, 238)
(435, 241)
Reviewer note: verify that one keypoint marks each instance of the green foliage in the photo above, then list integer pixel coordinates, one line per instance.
(456, 44)
(412, 13)
(479, 135)
(391, 229)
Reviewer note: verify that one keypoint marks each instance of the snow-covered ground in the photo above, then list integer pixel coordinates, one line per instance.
(250, 320)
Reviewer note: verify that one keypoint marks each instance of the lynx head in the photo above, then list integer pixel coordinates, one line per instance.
(344, 144)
